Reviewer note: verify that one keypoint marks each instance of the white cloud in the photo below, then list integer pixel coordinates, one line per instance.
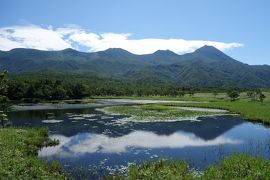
(31, 37)
(48, 38)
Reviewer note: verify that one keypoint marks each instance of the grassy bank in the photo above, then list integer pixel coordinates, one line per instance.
(221, 96)
(254, 111)
(155, 112)
(238, 166)
(18, 155)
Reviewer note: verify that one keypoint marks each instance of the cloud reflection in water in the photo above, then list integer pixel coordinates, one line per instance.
(83, 143)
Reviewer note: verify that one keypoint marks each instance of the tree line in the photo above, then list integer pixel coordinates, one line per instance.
(36, 87)
(59, 90)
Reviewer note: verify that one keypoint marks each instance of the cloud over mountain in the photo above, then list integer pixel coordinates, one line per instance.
(49, 38)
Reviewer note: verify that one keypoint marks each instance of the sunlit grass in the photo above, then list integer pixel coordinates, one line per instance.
(222, 96)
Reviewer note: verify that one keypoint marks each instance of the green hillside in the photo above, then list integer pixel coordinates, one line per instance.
(206, 67)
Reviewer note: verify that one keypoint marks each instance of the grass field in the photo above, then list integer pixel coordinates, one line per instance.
(196, 97)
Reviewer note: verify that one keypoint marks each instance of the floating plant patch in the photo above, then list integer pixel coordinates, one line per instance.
(52, 121)
(88, 115)
(77, 118)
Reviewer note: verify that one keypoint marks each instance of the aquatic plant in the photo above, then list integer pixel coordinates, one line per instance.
(156, 112)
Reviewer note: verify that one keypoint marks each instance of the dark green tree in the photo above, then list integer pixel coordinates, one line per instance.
(256, 95)
(262, 97)
(250, 94)
(215, 93)
(59, 93)
(181, 93)
(233, 95)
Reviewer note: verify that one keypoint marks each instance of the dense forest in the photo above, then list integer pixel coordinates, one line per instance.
(57, 86)
(31, 87)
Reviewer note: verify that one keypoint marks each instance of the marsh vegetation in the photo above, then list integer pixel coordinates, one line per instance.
(237, 166)
(159, 112)
(18, 155)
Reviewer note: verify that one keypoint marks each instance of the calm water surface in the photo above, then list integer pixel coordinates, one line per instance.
(93, 143)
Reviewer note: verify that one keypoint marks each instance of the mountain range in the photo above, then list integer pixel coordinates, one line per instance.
(205, 67)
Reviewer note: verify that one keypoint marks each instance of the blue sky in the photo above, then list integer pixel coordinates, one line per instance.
(245, 23)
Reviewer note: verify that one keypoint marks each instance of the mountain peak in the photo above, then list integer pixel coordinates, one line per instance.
(164, 52)
(71, 52)
(208, 49)
(68, 50)
(112, 53)
(210, 52)
(116, 50)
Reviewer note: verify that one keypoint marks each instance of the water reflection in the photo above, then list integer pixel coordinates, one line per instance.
(83, 143)
(73, 121)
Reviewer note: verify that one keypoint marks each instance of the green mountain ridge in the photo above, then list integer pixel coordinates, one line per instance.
(205, 67)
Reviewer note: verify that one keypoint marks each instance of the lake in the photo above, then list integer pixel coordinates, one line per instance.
(93, 144)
